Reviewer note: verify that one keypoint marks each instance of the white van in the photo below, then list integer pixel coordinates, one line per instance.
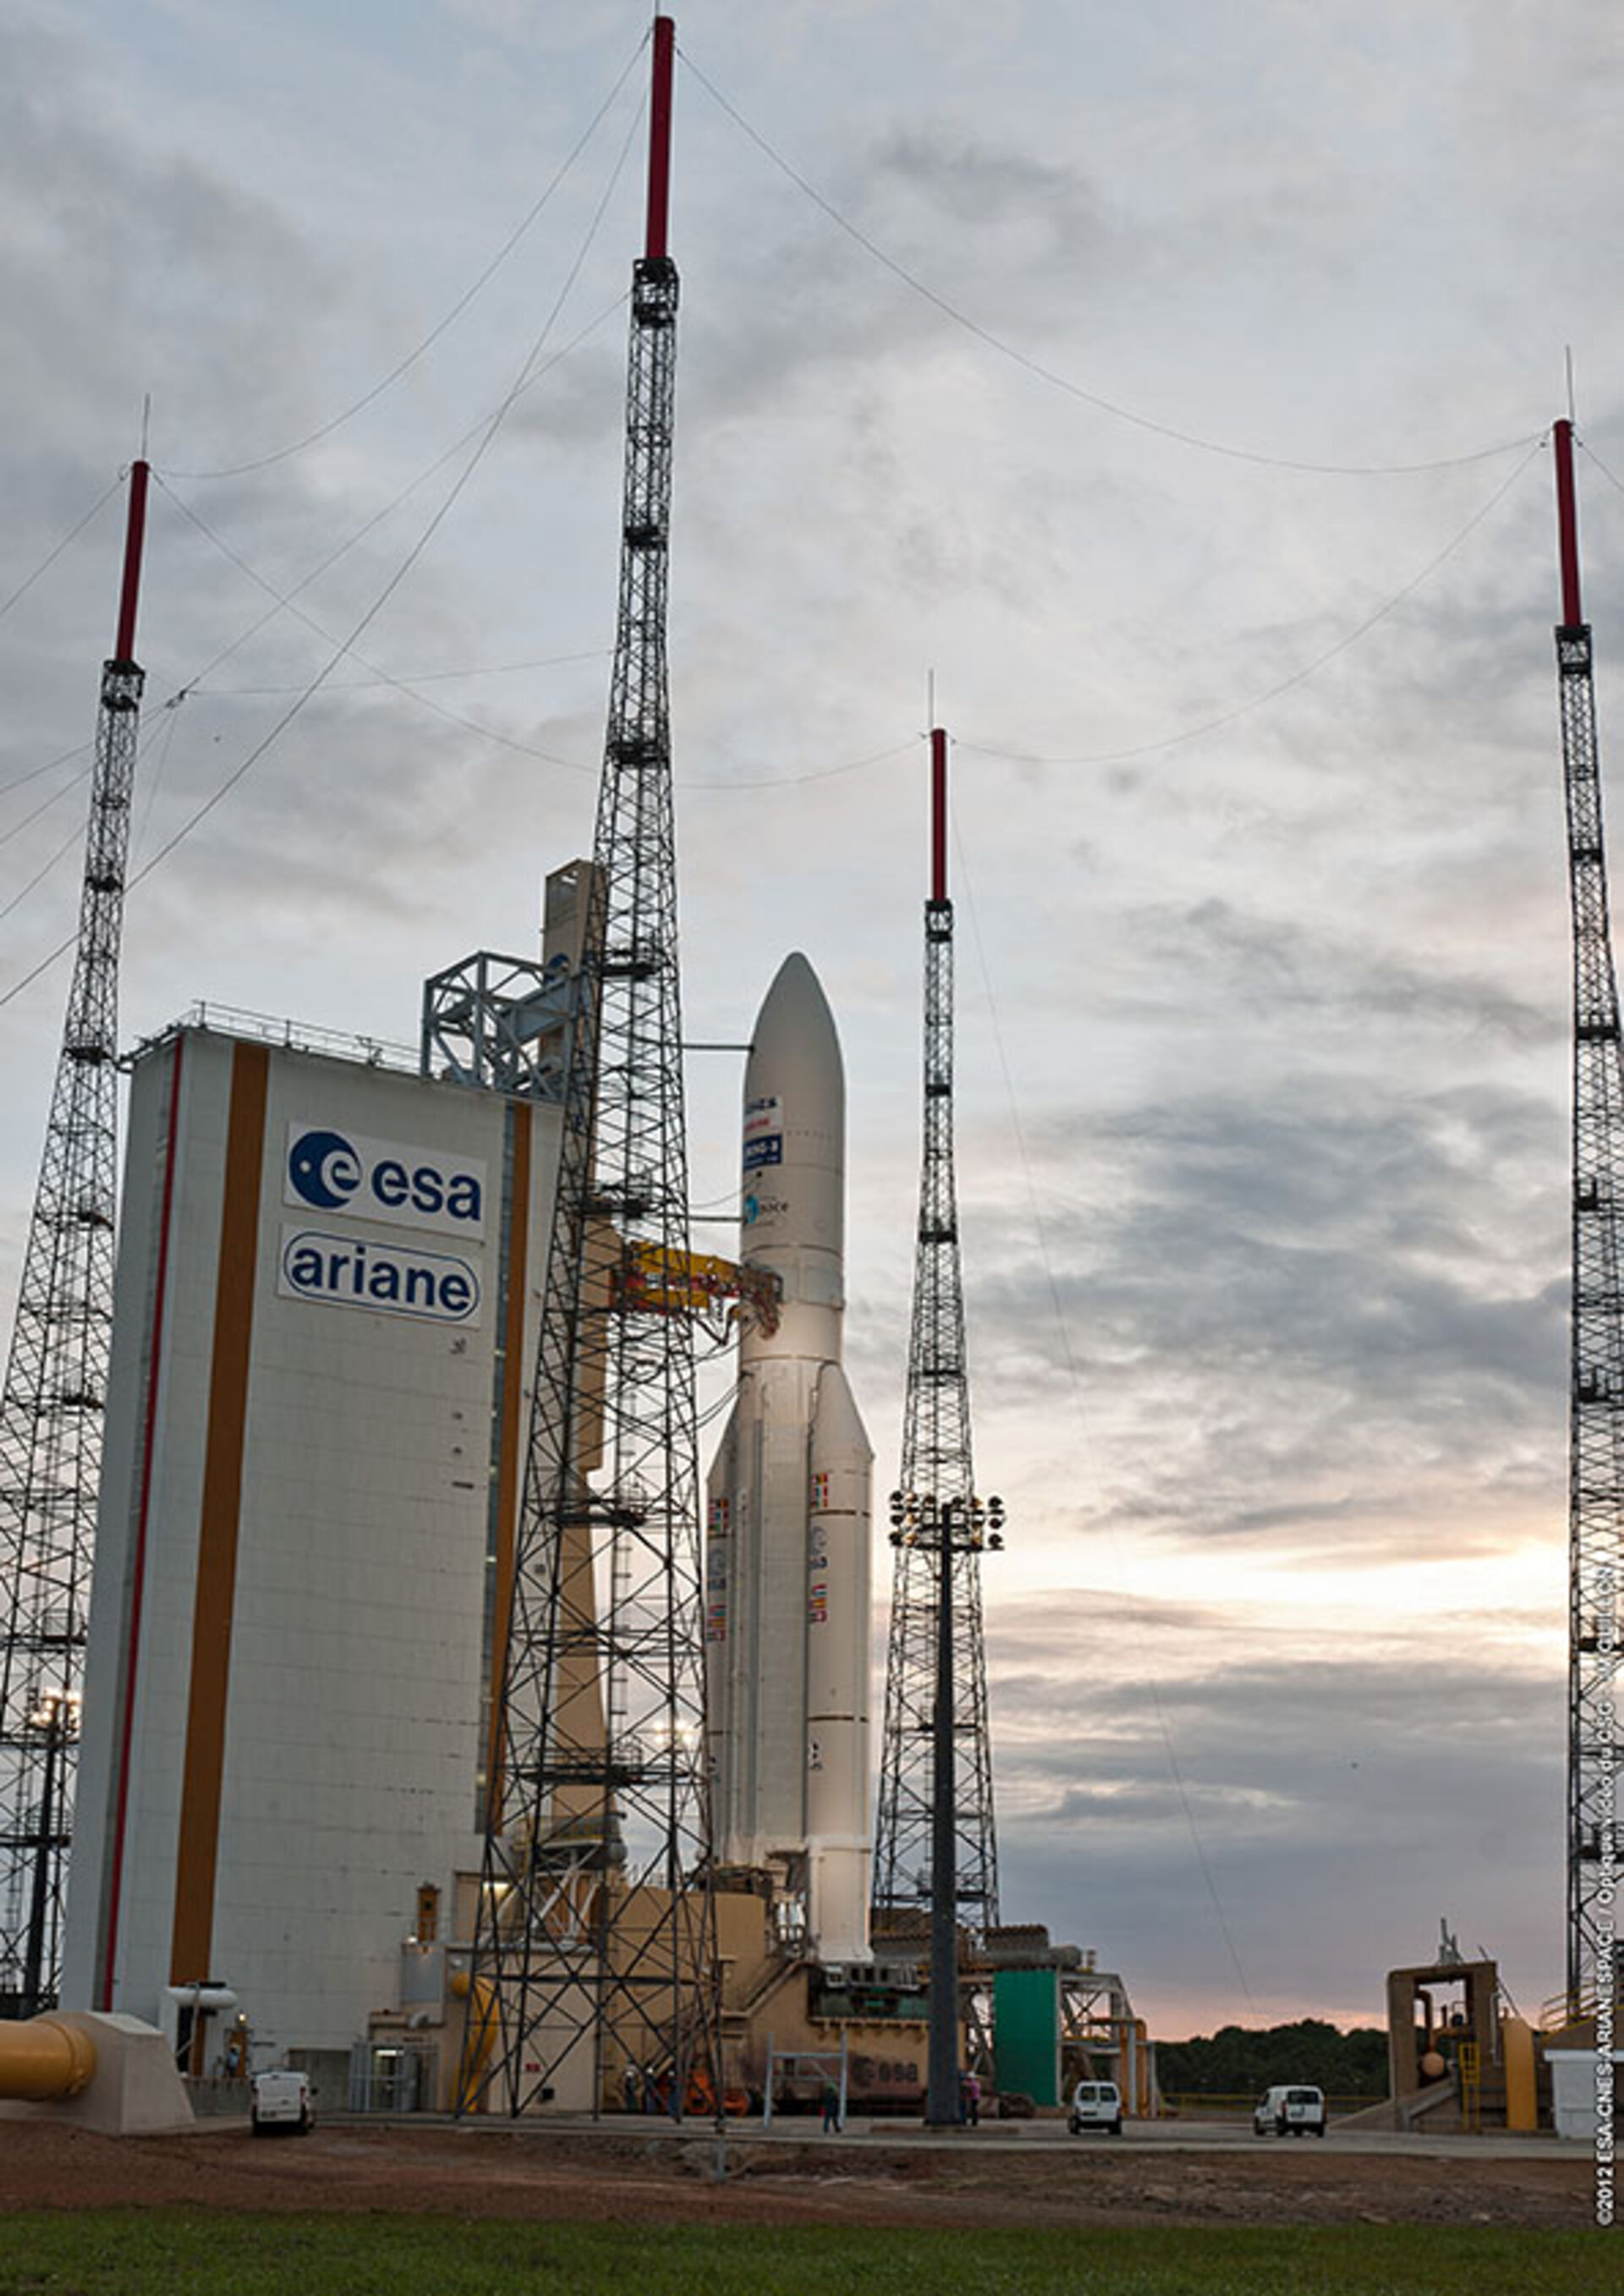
(281, 2100)
(1095, 2104)
(1289, 2110)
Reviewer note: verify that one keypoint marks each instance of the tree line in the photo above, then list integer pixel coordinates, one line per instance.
(1241, 2060)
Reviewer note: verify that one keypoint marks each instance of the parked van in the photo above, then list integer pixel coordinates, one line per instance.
(1095, 2104)
(281, 2100)
(1289, 2111)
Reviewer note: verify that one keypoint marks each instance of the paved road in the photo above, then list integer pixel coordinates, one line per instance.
(1161, 2136)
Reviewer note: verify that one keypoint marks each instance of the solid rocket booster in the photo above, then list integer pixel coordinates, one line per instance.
(787, 1609)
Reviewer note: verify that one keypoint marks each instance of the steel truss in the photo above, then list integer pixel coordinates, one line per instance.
(595, 1941)
(50, 1413)
(936, 1467)
(1595, 1497)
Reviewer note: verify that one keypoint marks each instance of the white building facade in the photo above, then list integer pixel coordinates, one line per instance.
(329, 1284)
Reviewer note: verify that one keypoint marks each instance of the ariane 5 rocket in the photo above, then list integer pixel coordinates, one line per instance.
(787, 1597)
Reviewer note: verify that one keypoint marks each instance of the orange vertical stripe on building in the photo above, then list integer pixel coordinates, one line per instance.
(508, 1460)
(216, 1552)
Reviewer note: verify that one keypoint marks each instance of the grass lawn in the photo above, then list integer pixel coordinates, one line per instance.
(188, 2252)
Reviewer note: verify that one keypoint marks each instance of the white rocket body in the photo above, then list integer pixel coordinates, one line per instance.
(787, 1562)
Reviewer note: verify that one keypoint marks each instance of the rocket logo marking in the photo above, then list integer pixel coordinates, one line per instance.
(763, 1132)
(820, 1491)
(752, 1208)
(817, 1609)
(716, 1574)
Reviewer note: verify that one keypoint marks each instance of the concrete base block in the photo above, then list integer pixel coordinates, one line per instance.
(135, 2090)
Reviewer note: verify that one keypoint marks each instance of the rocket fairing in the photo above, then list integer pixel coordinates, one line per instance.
(787, 1597)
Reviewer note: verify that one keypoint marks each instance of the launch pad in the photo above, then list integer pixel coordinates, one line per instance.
(413, 1674)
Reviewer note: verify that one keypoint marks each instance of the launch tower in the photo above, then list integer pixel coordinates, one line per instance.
(56, 1376)
(936, 1529)
(1596, 1458)
(595, 1935)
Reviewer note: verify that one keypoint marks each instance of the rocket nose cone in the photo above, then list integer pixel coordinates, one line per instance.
(795, 1024)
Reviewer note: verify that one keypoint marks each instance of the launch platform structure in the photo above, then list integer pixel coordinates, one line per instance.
(1595, 1454)
(55, 1393)
(939, 1528)
(594, 1941)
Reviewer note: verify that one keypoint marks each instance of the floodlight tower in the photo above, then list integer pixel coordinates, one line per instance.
(56, 1373)
(1595, 1449)
(936, 1806)
(595, 1945)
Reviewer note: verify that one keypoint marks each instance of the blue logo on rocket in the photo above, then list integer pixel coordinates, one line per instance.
(325, 1170)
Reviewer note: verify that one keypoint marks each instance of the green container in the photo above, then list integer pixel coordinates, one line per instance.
(1026, 2032)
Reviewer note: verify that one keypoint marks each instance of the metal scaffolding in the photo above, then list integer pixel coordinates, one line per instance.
(1595, 1494)
(51, 1414)
(937, 1535)
(594, 1947)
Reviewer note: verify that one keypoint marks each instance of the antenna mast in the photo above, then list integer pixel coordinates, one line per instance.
(1596, 1453)
(56, 1376)
(595, 1941)
(937, 1520)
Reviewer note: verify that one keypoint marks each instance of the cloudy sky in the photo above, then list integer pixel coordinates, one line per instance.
(1169, 384)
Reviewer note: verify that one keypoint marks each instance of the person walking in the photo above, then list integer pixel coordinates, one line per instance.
(972, 2113)
(832, 2110)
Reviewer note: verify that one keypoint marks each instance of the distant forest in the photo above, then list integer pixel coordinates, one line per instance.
(1239, 2060)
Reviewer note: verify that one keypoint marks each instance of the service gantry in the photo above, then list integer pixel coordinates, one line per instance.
(1595, 1449)
(938, 1527)
(51, 1415)
(595, 1945)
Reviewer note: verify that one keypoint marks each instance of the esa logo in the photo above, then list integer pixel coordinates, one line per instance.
(333, 1172)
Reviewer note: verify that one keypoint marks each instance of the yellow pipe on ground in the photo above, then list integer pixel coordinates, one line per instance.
(44, 2062)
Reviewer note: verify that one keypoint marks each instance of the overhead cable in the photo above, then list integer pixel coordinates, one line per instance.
(55, 797)
(1050, 375)
(50, 558)
(64, 758)
(1586, 449)
(418, 677)
(1298, 677)
(346, 645)
(286, 601)
(282, 600)
(327, 429)
(1074, 1380)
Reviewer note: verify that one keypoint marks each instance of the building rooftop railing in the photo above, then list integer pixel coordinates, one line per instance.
(292, 1036)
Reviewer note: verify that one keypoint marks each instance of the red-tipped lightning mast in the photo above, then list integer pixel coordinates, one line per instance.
(654, 247)
(135, 536)
(934, 1841)
(595, 1941)
(1567, 523)
(51, 1414)
(1595, 1422)
(938, 814)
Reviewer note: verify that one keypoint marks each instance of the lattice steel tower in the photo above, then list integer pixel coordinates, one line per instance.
(56, 1376)
(938, 1490)
(1595, 1454)
(594, 1947)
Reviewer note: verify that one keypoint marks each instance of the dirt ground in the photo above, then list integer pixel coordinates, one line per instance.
(551, 2175)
